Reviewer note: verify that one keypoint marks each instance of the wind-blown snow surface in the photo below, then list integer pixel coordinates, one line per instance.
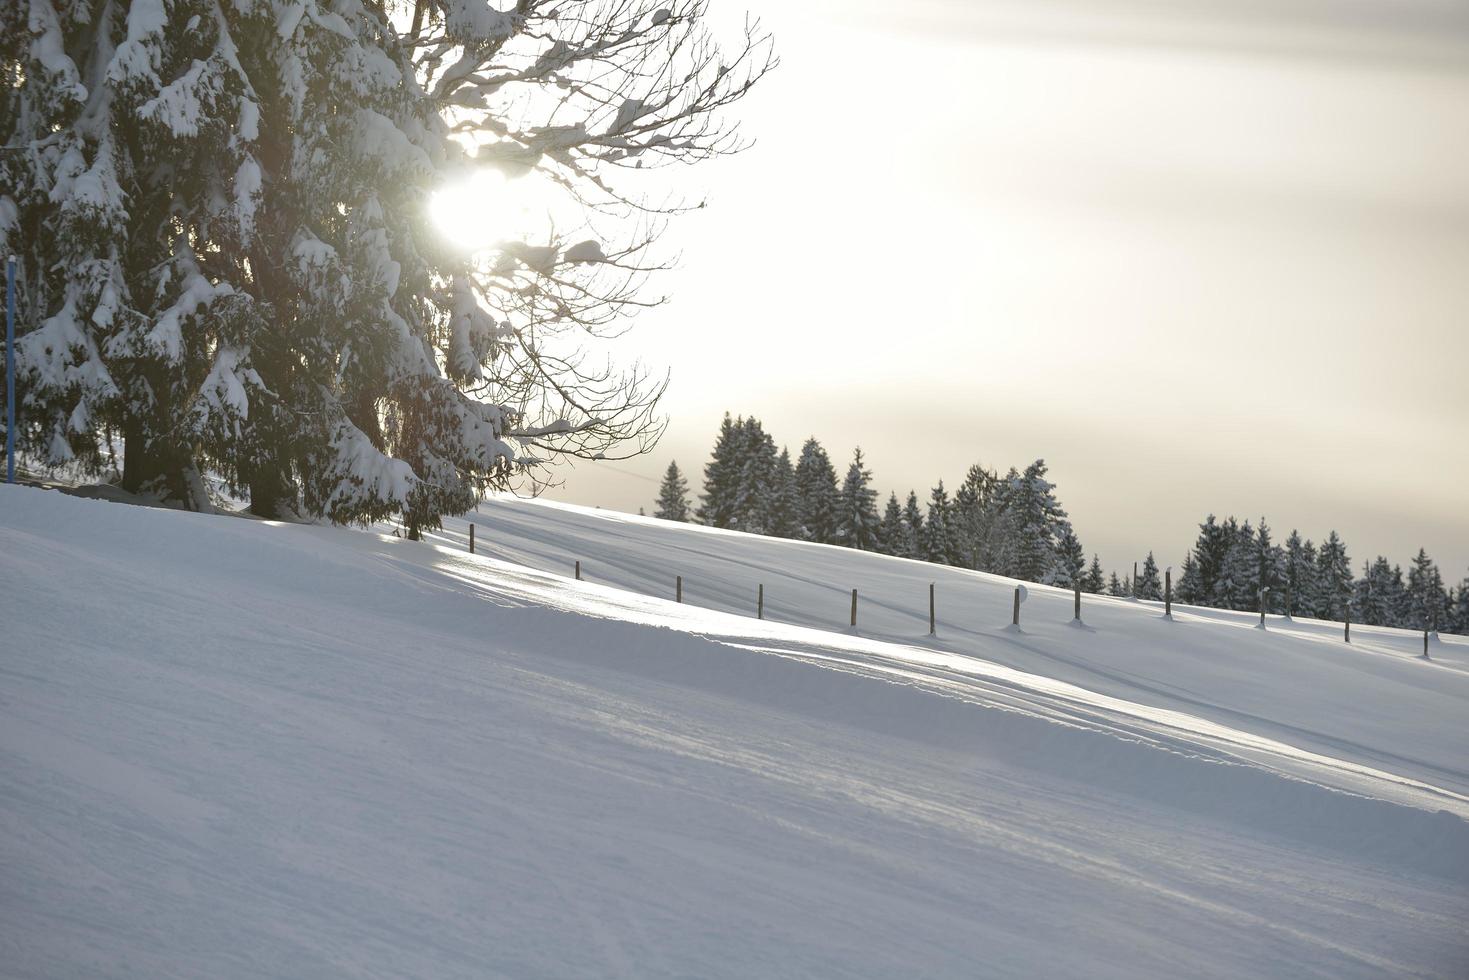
(230, 748)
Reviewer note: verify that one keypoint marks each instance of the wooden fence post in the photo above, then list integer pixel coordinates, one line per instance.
(1348, 624)
(471, 537)
(1168, 593)
(678, 589)
(1015, 621)
(854, 614)
(1425, 644)
(1077, 587)
(932, 630)
(578, 571)
(760, 602)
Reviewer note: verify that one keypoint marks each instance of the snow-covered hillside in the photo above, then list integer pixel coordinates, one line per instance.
(230, 748)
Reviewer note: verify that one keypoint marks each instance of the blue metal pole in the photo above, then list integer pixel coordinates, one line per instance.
(10, 370)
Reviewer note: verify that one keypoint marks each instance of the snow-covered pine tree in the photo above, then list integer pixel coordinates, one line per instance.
(1459, 611)
(1334, 584)
(226, 263)
(857, 519)
(816, 494)
(965, 514)
(912, 527)
(1271, 571)
(1149, 584)
(1115, 586)
(1190, 582)
(892, 537)
(1094, 582)
(1238, 584)
(1438, 612)
(974, 515)
(1208, 563)
(756, 482)
(935, 543)
(989, 490)
(1003, 540)
(1426, 602)
(1070, 562)
(673, 495)
(781, 514)
(1037, 516)
(1378, 594)
(722, 475)
(1401, 614)
(1298, 577)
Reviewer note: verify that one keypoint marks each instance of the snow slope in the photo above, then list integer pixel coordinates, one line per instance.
(230, 748)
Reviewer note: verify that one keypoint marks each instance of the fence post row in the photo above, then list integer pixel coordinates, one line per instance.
(1015, 614)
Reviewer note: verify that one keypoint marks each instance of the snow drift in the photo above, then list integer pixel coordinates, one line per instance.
(231, 748)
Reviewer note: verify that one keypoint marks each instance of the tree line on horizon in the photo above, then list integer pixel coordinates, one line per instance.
(1012, 524)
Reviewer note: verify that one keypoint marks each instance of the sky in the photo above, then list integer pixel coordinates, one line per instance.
(1200, 256)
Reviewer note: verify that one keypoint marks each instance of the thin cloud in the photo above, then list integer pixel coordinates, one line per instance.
(1408, 34)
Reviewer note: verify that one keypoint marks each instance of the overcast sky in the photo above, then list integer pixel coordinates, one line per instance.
(1202, 257)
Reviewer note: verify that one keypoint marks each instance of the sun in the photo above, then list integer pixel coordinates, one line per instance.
(486, 208)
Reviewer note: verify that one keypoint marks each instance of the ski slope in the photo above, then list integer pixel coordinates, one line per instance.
(230, 748)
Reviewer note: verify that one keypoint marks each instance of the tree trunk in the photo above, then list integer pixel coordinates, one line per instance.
(159, 469)
(272, 493)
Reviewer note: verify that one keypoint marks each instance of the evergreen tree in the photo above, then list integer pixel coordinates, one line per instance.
(1190, 582)
(1334, 582)
(913, 526)
(1002, 539)
(975, 511)
(1070, 566)
(722, 476)
(1310, 599)
(782, 514)
(1270, 573)
(222, 213)
(935, 543)
(1208, 563)
(1379, 594)
(1459, 611)
(892, 535)
(857, 521)
(1037, 516)
(1149, 585)
(1238, 584)
(673, 496)
(965, 519)
(1299, 576)
(818, 500)
(1427, 604)
(1094, 583)
(756, 484)
(1115, 586)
